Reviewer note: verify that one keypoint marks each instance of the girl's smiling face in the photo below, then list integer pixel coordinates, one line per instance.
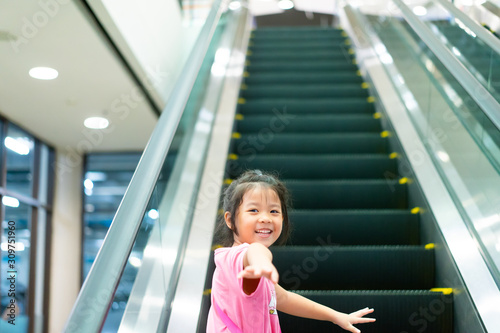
(259, 217)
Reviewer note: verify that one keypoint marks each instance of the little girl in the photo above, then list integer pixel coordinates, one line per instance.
(245, 289)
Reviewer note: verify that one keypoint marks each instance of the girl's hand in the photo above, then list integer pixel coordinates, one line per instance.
(256, 272)
(347, 320)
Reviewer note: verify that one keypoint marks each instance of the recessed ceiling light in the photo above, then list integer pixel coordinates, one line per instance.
(234, 5)
(420, 10)
(285, 4)
(43, 73)
(96, 123)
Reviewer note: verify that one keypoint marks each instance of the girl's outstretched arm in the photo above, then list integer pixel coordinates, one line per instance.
(297, 305)
(257, 263)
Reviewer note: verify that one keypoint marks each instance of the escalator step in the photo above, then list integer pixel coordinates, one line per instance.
(309, 91)
(303, 78)
(317, 123)
(307, 45)
(413, 311)
(324, 267)
(297, 106)
(333, 35)
(268, 142)
(347, 194)
(289, 32)
(339, 54)
(277, 66)
(319, 166)
(342, 227)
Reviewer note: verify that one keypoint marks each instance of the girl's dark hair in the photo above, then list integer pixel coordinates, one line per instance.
(233, 196)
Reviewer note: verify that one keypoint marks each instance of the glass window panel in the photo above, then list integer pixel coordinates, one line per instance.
(20, 156)
(18, 221)
(106, 179)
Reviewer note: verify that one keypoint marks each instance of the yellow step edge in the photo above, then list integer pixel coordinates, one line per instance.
(247, 63)
(403, 180)
(249, 53)
(415, 210)
(393, 155)
(445, 291)
(358, 73)
(347, 42)
(241, 100)
(354, 62)
(207, 292)
(228, 181)
(430, 246)
(343, 34)
(232, 157)
(377, 115)
(351, 51)
(236, 135)
(239, 116)
(250, 44)
(244, 87)
(365, 85)
(246, 74)
(371, 99)
(385, 134)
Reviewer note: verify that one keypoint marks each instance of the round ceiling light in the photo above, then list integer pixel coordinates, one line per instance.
(96, 123)
(420, 10)
(43, 73)
(234, 5)
(285, 4)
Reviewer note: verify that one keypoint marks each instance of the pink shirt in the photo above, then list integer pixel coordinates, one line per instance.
(250, 313)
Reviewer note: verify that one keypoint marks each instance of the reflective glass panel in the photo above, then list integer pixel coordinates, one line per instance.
(20, 156)
(462, 141)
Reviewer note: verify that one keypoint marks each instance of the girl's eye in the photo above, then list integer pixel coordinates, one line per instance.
(253, 210)
(274, 211)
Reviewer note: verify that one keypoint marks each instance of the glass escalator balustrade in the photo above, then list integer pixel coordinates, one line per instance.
(462, 140)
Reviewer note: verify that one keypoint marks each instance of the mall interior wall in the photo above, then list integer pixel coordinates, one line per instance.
(66, 256)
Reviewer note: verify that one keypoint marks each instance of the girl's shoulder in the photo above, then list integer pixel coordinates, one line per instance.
(230, 254)
(232, 249)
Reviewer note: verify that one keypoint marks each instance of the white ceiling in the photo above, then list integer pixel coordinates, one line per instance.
(91, 80)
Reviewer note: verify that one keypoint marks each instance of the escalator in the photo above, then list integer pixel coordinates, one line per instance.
(367, 228)
(305, 113)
